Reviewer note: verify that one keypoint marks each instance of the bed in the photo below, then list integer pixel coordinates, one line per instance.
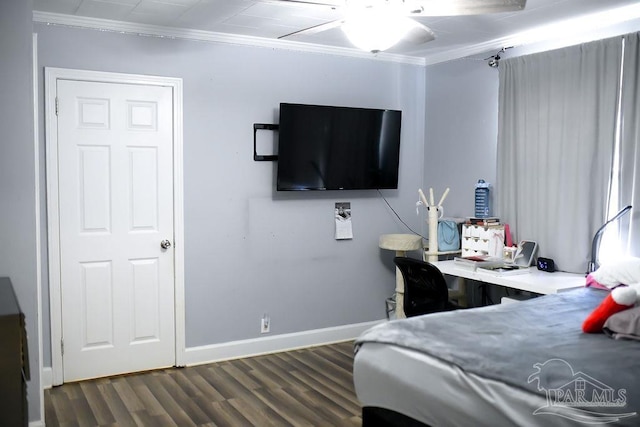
(523, 364)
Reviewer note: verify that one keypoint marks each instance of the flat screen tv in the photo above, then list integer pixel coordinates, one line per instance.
(337, 148)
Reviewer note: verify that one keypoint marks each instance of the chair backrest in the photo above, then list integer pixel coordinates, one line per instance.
(425, 289)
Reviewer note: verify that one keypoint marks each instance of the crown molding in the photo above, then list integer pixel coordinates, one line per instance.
(571, 31)
(215, 37)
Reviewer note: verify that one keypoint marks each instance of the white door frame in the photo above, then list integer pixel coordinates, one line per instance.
(53, 223)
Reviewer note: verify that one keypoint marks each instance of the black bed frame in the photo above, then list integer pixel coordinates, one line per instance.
(379, 417)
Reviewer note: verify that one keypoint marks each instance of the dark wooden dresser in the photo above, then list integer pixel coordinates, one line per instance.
(14, 359)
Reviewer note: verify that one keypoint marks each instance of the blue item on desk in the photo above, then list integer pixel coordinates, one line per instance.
(482, 208)
(448, 236)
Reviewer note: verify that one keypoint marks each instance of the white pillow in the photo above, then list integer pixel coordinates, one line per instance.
(623, 272)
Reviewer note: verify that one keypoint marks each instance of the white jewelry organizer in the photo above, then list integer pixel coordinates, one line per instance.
(482, 240)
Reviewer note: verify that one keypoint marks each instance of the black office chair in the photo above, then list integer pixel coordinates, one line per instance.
(425, 290)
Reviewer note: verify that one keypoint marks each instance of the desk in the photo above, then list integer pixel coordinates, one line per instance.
(536, 281)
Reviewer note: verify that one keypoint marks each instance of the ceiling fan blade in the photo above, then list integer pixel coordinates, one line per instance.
(463, 7)
(328, 3)
(419, 34)
(315, 29)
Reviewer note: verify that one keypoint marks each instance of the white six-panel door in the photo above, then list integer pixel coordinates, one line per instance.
(115, 179)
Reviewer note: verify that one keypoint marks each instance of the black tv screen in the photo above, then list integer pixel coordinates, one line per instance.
(337, 148)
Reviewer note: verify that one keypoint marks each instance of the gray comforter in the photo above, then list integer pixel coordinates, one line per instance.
(624, 325)
(536, 345)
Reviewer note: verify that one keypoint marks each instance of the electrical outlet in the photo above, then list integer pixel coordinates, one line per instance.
(265, 324)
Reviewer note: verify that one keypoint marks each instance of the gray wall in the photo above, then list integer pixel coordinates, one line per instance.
(251, 250)
(461, 131)
(17, 175)
(461, 136)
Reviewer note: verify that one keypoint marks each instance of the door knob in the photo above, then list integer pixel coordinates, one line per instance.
(165, 244)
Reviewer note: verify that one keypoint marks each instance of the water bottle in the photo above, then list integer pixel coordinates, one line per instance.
(482, 199)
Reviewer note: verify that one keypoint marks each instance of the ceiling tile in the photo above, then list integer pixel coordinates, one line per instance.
(272, 32)
(157, 13)
(206, 14)
(183, 3)
(160, 8)
(274, 27)
(104, 10)
(291, 10)
(125, 2)
(68, 7)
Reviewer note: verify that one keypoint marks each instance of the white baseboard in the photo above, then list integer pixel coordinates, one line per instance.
(46, 379)
(273, 344)
(38, 423)
(254, 347)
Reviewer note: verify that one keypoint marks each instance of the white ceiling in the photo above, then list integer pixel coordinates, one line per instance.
(266, 20)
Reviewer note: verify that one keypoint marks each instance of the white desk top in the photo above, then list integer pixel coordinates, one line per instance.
(536, 281)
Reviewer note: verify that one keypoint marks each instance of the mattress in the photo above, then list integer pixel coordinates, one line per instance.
(440, 394)
(501, 366)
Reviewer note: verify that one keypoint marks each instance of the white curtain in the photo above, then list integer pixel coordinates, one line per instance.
(556, 132)
(630, 142)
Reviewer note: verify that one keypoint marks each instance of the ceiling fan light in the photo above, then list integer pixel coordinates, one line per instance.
(376, 32)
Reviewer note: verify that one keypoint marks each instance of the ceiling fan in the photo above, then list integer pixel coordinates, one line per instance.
(377, 25)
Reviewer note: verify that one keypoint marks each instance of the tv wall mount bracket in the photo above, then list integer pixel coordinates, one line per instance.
(263, 157)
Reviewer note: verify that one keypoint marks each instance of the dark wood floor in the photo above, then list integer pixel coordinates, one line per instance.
(308, 387)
